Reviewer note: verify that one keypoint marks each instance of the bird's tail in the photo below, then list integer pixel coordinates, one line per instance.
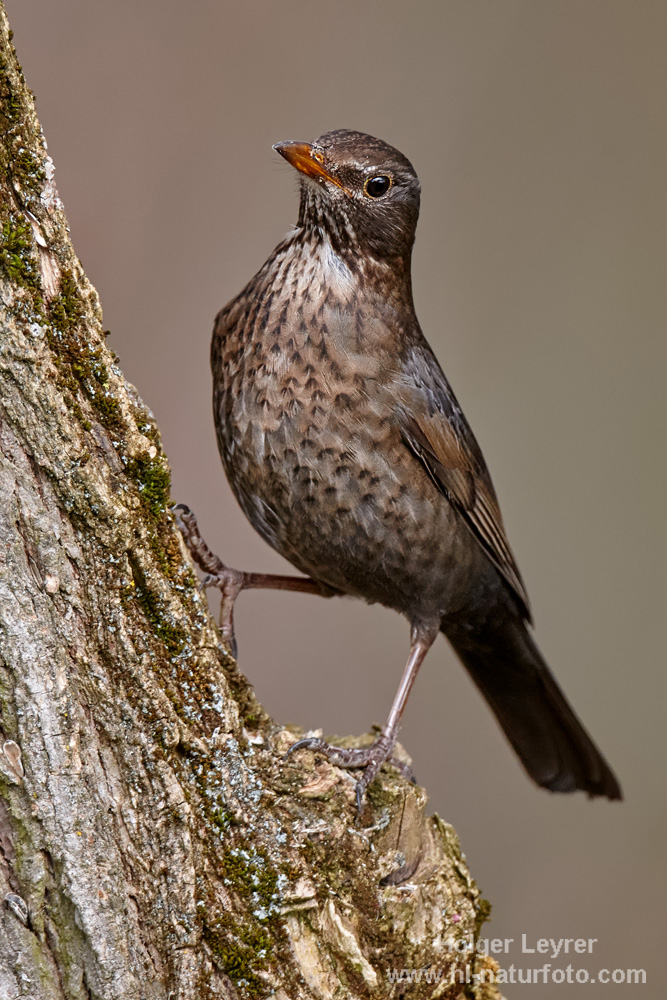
(533, 712)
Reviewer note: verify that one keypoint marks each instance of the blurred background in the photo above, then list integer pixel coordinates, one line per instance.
(538, 130)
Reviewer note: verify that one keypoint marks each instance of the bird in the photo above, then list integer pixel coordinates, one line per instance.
(349, 453)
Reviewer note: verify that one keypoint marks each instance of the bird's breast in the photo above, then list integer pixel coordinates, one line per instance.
(301, 352)
(306, 415)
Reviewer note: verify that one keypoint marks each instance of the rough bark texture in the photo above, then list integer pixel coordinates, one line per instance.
(153, 842)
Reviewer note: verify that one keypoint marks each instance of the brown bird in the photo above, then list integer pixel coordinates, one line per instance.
(349, 453)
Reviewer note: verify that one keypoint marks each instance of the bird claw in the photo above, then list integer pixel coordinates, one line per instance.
(232, 645)
(229, 581)
(309, 743)
(369, 758)
(180, 513)
(403, 769)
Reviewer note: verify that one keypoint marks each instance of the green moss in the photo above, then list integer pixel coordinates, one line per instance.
(67, 309)
(222, 818)
(11, 102)
(154, 482)
(81, 366)
(243, 943)
(93, 375)
(108, 409)
(19, 136)
(152, 478)
(27, 169)
(173, 635)
(163, 554)
(250, 874)
(145, 426)
(16, 252)
(242, 948)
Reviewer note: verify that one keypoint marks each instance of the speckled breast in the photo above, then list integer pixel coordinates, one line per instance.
(304, 404)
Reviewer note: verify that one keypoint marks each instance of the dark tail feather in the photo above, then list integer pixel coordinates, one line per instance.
(533, 712)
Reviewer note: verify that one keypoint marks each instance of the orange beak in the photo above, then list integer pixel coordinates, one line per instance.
(300, 156)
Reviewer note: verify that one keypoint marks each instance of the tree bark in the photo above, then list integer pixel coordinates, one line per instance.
(153, 841)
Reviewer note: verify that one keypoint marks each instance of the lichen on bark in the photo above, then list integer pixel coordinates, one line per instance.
(154, 843)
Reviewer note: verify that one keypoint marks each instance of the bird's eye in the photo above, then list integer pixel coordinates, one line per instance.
(375, 187)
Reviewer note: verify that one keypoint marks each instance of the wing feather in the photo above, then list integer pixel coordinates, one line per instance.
(438, 434)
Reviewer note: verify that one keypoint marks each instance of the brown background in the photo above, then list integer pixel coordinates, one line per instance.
(539, 133)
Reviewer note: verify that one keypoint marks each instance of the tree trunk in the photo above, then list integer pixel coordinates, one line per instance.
(153, 841)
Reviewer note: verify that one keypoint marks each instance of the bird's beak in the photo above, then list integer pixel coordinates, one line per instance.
(300, 156)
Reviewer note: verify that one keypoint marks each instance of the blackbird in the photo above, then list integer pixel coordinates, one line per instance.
(349, 453)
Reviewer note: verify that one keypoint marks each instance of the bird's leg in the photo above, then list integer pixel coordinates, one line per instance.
(232, 581)
(373, 757)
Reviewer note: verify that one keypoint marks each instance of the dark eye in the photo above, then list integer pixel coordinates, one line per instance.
(375, 187)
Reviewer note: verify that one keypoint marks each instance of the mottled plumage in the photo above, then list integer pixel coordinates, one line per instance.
(350, 455)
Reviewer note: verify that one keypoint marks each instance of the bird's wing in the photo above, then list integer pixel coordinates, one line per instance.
(436, 431)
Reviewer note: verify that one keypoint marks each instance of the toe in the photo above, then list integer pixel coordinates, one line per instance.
(371, 772)
(361, 794)
(403, 769)
(308, 743)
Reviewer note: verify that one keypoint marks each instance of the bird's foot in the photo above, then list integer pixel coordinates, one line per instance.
(230, 582)
(369, 758)
(186, 523)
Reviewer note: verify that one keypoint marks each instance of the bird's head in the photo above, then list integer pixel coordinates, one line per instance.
(359, 191)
